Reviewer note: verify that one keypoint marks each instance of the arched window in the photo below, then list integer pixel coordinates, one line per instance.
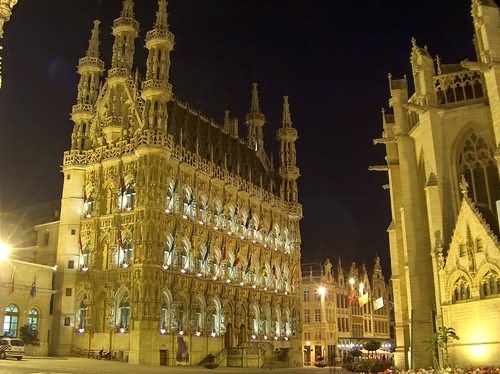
(33, 319)
(126, 200)
(171, 196)
(216, 318)
(490, 284)
(461, 290)
(123, 313)
(82, 316)
(88, 206)
(165, 314)
(84, 260)
(477, 164)
(124, 253)
(10, 320)
(188, 203)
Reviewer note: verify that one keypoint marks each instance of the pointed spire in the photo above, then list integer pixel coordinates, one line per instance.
(287, 117)
(161, 22)
(127, 9)
(93, 50)
(254, 105)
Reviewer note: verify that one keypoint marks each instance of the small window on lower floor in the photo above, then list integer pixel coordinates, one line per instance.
(67, 321)
(71, 264)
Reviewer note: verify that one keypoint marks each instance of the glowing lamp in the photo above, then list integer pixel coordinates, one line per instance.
(242, 284)
(85, 269)
(122, 330)
(181, 332)
(4, 251)
(352, 281)
(308, 343)
(199, 274)
(322, 291)
(163, 331)
(183, 271)
(254, 337)
(213, 334)
(81, 330)
(265, 337)
(165, 267)
(197, 333)
(286, 338)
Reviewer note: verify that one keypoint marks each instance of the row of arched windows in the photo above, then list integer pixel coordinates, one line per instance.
(244, 223)
(489, 286)
(11, 320)
(198, 318)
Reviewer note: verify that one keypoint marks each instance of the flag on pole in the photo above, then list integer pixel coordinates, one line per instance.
(33, 288)
(378, 304)
(120, 240)
(123, 187)
(236, 255)
(223, 249)
(274, 271)
(247, 269)
(84, 196)
(363, 299)
(207, 252)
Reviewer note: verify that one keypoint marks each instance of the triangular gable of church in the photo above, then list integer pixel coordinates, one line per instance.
(473, 242)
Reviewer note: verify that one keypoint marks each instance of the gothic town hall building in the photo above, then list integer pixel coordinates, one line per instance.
(178, 237)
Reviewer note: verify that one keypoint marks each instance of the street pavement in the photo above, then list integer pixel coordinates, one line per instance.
(92, 366)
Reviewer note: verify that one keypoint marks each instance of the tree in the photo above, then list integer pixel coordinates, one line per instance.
(372, 345)
(440, 341)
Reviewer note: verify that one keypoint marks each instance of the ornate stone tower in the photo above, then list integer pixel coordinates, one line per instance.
(6, 7)
(173, 241)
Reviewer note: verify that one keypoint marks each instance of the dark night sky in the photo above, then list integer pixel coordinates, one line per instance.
(330, 57)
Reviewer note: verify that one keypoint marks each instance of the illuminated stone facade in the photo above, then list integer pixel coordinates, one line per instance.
(442, 146)
(334, 322)
(180, 238)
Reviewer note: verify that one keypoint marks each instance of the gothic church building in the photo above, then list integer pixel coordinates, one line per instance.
(178, 237)
(443, 156)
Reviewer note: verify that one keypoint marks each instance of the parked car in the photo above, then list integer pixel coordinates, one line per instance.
(11, 347)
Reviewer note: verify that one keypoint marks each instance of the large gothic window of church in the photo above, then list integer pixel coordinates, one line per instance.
(461, 291)
(490, 284)
(477, 164)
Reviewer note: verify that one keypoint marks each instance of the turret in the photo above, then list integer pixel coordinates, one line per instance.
(125, 31)
(255, 122)
(423, 73)
(288, 170)
(156, 89)
(90, 69)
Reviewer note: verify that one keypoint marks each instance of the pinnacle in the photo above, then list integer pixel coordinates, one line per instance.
(93, 50)
(255, 106)
(287, 117)
(128, 9)
(161, 22)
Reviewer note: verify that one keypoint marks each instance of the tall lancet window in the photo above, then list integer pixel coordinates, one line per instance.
(477, 164)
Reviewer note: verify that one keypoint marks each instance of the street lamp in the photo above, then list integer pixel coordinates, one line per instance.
(352, 281)
(322, 291)
(4, 252)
